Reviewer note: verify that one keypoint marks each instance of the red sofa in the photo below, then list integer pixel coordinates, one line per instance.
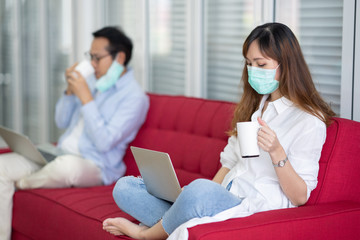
(192, 131)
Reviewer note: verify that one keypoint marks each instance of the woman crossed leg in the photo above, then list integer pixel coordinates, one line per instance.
(160, 218)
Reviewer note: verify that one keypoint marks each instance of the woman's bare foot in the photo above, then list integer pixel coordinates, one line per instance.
(122, 226)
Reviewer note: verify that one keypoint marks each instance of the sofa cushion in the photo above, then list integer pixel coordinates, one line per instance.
(71, 213)
(330, 221)
(339, 164)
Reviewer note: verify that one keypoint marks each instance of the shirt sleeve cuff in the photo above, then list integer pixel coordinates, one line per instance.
(89, 110)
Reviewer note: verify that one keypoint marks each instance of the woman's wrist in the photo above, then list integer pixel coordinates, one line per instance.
(277, 156)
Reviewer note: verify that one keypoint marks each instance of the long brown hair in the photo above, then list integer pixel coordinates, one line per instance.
(278, 42)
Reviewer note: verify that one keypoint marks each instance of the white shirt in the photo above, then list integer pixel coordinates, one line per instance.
(71, 143)
(302, 136)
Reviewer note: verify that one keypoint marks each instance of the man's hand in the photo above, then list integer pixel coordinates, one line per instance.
(77, 85)
(68, 73)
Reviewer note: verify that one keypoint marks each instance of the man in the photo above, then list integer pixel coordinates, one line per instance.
(101, 114)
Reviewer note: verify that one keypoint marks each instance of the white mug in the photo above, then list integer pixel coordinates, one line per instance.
(85, 68)
(247, 133)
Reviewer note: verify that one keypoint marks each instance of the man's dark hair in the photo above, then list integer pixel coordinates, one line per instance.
(118, 41)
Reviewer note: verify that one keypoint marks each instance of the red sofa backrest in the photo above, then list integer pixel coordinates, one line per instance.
(191, 130)
(339, 178)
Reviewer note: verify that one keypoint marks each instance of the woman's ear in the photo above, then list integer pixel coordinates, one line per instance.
(120, 58)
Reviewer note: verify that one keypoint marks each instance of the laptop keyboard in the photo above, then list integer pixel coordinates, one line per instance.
(48, 156)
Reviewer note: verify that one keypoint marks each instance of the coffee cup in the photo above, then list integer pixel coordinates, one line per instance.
(85, 68)
(247, 133)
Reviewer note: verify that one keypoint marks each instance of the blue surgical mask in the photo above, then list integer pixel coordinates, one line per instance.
(110, 78)
(262, 80)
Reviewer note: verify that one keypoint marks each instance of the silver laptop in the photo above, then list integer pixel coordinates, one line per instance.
(158, 173)
(21, 144)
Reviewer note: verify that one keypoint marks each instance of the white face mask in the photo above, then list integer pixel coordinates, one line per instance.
(110, 78)
(262, 80)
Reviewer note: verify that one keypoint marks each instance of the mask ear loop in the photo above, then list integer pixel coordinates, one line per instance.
(122, 64)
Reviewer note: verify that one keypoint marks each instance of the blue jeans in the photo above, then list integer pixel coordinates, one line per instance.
(198, 199)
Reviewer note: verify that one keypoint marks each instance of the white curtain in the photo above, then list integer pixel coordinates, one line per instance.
(167, 46)
(6, 60)
(227, 23)
(318, 26)
(35, 48)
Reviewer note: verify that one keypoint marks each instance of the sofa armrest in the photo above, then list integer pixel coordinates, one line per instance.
(337, 220)
(5, 150)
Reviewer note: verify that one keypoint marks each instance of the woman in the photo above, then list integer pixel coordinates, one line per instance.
(278, 93)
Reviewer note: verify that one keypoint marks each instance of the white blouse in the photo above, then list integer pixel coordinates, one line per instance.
(302, 136)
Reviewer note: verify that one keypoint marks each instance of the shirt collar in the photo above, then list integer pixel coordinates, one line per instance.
(282, 104)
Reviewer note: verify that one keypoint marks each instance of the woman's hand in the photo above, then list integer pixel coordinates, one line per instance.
(268, 140)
